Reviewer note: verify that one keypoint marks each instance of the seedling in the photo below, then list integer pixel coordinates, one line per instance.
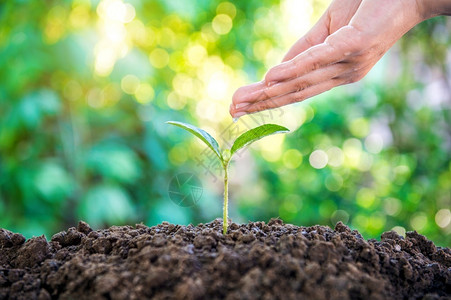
(226, 155)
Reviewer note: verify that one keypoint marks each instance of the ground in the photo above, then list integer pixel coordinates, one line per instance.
(252, 261)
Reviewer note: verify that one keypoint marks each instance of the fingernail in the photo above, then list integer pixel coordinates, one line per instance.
(240, 105)
(239, 114)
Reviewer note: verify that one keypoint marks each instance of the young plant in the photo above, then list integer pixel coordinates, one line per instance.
(226, 155)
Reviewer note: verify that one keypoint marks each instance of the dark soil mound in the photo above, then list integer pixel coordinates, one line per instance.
(253, 261)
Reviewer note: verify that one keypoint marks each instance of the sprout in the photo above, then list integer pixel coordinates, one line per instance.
(225, 156)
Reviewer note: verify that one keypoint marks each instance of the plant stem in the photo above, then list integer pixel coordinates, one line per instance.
(226, 199)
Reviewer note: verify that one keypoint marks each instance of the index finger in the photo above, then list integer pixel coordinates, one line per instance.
(312, 59)
(338, 46)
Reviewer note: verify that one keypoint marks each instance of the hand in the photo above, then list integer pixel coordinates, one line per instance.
(347, 41)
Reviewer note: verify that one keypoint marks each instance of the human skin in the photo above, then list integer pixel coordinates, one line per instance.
(341, 48)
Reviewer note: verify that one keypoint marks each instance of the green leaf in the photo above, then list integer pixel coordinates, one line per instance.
(255, 134)
(201, 134)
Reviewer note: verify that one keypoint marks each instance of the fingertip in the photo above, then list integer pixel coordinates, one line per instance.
(288, 56)
(248, 93)
(234, 113)
(269, 77)
(231, 109)
(239, 114)
(237, 95)
(271, 83)
(274, 75)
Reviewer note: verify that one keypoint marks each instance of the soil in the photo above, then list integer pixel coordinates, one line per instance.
(253, 261)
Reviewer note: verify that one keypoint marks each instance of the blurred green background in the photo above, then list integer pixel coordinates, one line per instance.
(86, 86)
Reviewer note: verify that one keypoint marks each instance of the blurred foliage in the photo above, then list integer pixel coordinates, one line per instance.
(87, 85)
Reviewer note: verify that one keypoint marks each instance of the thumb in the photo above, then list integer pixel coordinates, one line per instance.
(314, 36)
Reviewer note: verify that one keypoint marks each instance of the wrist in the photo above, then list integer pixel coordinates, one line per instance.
(432, 8)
